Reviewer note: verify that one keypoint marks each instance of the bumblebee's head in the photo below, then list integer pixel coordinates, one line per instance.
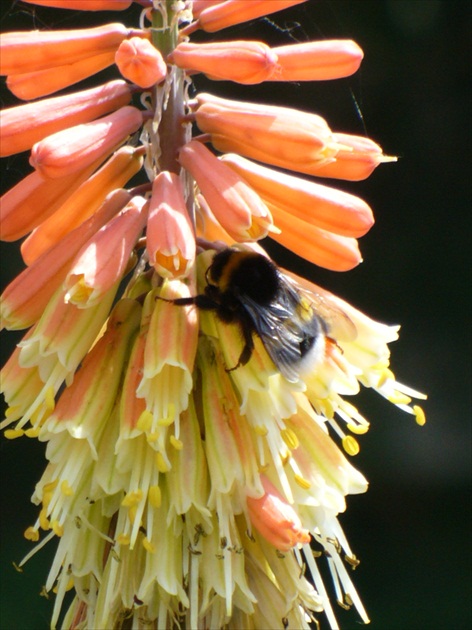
(245, 273)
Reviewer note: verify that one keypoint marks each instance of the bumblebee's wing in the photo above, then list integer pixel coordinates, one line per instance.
(338, 324)
(286, 332)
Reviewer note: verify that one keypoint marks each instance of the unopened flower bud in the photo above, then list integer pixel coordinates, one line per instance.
(72, 149)
(317, 61)
(86, 199)
(24, 125)
(275, 519)
(241, 61)
(31, 85)
(140, 62)
(28, 51)
(302, 139)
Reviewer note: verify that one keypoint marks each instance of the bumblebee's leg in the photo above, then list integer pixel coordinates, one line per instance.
(247, 349)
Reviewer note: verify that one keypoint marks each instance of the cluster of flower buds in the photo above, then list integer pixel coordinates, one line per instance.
(183, 483)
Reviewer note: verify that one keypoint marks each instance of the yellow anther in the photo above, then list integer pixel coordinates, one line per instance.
(285, 457)
(49, 399)
(161, 464)
(152, 437)
(57, 528)
(167, 421)
(358, 429)
(144, 422)
(419, 415)
(177, 444)
(386, 375)
(49, 487)
(147, 544)
(290, 438)
(155, 496)
(70, 584)
(302, 482)
(350, 445)
(14, 410)
(328, 408)
(123, 539)
(261, 430)
(43, 520)
(33, 432)
(353, 561)
(12, 434)
(31, 534)
(66, 489)
(132, 498)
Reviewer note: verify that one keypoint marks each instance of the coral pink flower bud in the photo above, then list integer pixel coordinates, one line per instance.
(122, 165)
(84, 5)
(317, 61)
(275, 519)
(321, 206)
(224, 14)
(103, 260)
(170, 239)
(241, 61)
(34, 199)
(301, 139)
(72, 149)
(356, 161)
(25, 299)
(32, 85)
(28, 51)
(140, 62)
(240, 210)
(24, 125)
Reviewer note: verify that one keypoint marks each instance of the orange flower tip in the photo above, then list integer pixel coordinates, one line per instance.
(73, 149)
(223, 14)
(140, 62)
(244, 62)
(275, 519)
(84, 5)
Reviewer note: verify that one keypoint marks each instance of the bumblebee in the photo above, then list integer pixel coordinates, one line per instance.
(247, 289)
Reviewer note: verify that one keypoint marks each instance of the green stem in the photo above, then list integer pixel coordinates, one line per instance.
(171, 131)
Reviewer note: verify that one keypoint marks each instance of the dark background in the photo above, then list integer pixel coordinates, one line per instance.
(412, 95)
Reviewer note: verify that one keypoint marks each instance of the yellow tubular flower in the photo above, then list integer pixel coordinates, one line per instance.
(192, 395)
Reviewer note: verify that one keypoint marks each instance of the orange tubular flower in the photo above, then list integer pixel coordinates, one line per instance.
(38, 50)
(317, 61)
(43, 82)
(123, 164)
(140, 62)
(84, 5)
(24, 299)
(24, 125)
(240, 61)
(75, 148)
(275, 519)
(224, 14)
(325, 207)
(170, 236)
(236, 206)
(103, 260)
(253, 130)
(33, 200)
